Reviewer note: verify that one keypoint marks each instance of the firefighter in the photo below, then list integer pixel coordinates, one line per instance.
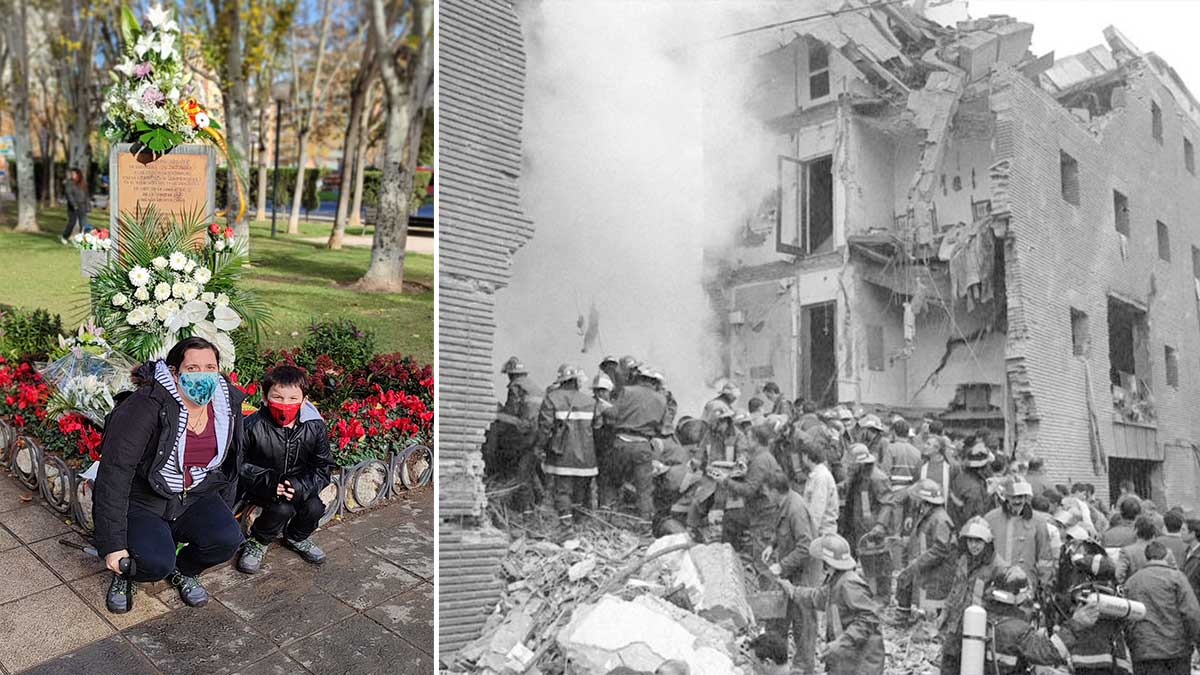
(938, 466)
(854, 644)
(564, 439)
(725, 398)
(655, 377)
(975, 565)
(790, 559)
(872, 434)
(779, 404)
(969, 486)
(609, 368)
(626, 373)
(510, 442)
(1084, 565)
(1014, 646)
(869, 515)
(1021, 535)
(602, 391)
(929, 575)
(748, 488)
(635, 418)
(900, 460)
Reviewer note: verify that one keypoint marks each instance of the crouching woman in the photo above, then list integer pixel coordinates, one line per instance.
(287, 463)
(169, 474)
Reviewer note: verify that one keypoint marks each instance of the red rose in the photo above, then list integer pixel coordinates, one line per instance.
(214, 228)
(228, 232)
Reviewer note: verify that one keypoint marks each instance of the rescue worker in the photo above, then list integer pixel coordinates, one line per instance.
(754, 519)
(1191, 559)
(928, 575)
(655, 377)
(1133, 556)
(565, 439)
(869, 514)
(724, 399)
(606, 467)
(636, 417)
(1014, 646)
(872, 434)
(1162, 642)
(820, 490)
(1021, 536)
(609, 368)
(938, 466)
(1084, 565)
(789, 558)
(969, 486)
(779, 404)
(514, 433)
(974, 567)
(900, 460)
(854, 642)
(626, 373)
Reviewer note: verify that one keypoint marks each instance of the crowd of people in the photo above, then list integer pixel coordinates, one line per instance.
(869, 521)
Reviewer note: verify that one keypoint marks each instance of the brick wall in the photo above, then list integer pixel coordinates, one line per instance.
(1063, 256)
(482, 74)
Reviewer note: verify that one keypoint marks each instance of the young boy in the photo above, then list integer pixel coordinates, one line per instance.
(286, 466)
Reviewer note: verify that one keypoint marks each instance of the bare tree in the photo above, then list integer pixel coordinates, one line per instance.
(360, 165)
(367, 69)
(306, 117)
(15, 27)
(74, 57)
(409, 94)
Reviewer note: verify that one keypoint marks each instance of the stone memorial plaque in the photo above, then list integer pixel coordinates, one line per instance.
(182, 181)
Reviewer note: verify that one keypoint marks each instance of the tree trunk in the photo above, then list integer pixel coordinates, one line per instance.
(236, 113)
(260, 194)
(18, 94)
(358, 95)
(407, 101)
(307, 118)
(360, 165)
(75, 75)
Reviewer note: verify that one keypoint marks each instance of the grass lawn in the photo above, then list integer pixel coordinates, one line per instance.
(301, 281)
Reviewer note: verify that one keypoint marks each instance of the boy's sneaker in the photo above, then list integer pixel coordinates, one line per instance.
(120, 595)
(190, 590)
(307, 550)
(253, 552)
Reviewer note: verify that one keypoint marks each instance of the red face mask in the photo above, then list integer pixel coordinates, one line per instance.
(284, 413)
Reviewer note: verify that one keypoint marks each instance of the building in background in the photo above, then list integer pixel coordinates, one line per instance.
(965, 230)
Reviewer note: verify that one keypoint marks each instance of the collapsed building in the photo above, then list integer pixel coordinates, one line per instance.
(962, 229)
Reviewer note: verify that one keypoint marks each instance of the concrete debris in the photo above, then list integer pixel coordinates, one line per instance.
(638, 635)
(502, 650)
(715, 584)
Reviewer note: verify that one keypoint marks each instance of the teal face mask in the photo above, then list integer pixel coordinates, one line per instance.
(198, 387)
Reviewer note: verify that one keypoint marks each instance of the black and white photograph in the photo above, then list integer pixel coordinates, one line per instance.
(825, 336)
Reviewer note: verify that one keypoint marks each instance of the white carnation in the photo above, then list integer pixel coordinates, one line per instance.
(141, 294)
(139, 276)
(119, 300)
(160, 263)
(178, 261)
(162, 291)
(203, 276)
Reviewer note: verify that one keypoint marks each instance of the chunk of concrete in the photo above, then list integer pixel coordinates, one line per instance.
(716, 587)
(614, 632)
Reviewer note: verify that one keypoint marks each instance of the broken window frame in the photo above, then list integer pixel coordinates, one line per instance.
(804, 245)
(1189, 155)
(1121, 212)
(1171, 365)
(1068, 180)
(1164, 241)
(1081, 339)
(813, 74)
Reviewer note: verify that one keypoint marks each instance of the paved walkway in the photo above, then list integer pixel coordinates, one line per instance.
(367, 610)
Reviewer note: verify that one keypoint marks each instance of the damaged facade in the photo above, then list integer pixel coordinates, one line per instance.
(963, 229)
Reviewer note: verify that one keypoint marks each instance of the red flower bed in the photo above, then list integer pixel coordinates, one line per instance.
(382, 423)
(23, 394)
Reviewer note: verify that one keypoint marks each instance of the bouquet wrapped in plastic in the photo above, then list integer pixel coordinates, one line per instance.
(85, 373)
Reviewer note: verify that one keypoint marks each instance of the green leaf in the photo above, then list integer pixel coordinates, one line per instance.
(213, 123)
(130, 28)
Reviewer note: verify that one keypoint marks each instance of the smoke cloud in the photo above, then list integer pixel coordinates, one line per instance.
(638, 155)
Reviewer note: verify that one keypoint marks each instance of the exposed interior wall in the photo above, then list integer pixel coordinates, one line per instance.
(1068, 256)
(868, 174)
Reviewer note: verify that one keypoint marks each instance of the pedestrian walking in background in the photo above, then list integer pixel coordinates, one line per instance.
(78, 203)
(1162, 642)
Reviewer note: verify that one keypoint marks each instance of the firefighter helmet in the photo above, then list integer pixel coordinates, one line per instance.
(725, 413)
(977, 528)
(843, 414)
(1010, 586)
(742, 418)
(730, 389)
(1078, 531)
(1015, 486)
(609, 359)
(629, 362)
(927, 490)
(834, 550)
(650, 372)
(602, 382)
(567, 372)
(861, 454)
(871, 422)
(513, 366)
(978, 456)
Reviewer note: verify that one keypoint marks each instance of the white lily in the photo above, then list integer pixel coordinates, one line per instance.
(195, 310)
(157, 15)
(222, 299)
(166, 45)
(125, 67)
(225, 318)
(144, 44)
(209, 331)
(208, 297)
